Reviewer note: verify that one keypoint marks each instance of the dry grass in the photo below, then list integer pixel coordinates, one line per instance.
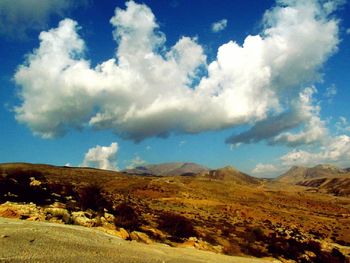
(265, 219)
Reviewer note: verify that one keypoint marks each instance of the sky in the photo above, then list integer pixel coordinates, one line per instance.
(258, 85)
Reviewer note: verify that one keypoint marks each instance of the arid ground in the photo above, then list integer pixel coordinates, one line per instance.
(222, 211)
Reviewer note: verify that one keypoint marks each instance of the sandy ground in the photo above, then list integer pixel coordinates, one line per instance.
(25, 241)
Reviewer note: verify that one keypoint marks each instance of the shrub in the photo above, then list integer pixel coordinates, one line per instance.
(91, 197)
(16, 187)
(177, 226)
(126, 217)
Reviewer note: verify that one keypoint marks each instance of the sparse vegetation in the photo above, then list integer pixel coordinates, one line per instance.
(177, 226)
(91, 197)
(126, 217)
(223, 216)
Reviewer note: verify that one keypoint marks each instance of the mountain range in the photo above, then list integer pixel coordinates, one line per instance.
(324, 177)
(168, 169)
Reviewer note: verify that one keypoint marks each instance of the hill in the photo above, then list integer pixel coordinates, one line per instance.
(231, 174)
(74, 244)
(223, 211)
(168, 169)
(321, 178)
(298, 173)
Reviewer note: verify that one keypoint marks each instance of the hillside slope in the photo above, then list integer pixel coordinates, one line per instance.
(231, 174)
(26, 241)
(298, 173)
(323, 178)
(168, 169)
(223, 211)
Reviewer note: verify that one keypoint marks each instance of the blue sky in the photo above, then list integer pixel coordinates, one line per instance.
(260, 85)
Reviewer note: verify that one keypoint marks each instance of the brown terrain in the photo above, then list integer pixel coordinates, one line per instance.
(302, 216)
(168, 169)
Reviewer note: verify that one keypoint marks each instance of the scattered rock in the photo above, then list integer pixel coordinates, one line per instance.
(9, 213)
(201, 245)
(109, 218)
(58, 213)
(58, 205)
(85, 219)
(153, 232)
(21, 211)
(4, 236)
(34, 182)
(123, 233)
(140, 237)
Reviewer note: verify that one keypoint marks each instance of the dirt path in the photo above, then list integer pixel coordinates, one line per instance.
(24, 241)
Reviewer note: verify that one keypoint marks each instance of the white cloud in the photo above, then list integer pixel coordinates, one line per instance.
(335, 151)
(348, 31)
(219, 25)
(342, 125)
(182, 143)
(102, 157)
(331, 91)
(302, 113)
(314, 130)
(265, 170)
(137, 161)
(331, 5)
(148, 89)
(20, 16)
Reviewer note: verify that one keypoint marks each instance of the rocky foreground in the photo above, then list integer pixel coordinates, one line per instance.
(222, 211)
(25, 241)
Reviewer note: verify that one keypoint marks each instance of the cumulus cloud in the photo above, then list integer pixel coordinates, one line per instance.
(331, 91)
(303, 112)
(148, 89)
(20, 16)
(265, 170)
(336, 151)
(137, 161)
(219, 25)
(342, 125)
(102, 157)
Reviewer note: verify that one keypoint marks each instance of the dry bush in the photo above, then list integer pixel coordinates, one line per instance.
(179, 227)
(293, 249)
(15, 187)
(126, 217)
(91, 197)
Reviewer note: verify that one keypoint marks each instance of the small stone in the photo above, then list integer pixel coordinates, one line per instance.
(140, 237)
(4, 236)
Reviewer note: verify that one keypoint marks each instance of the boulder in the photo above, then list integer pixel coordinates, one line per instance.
(123, 233)
(85, 219)
(34, 182)
(109, 218)
(153, 232)
(140, 237)
(58, 214)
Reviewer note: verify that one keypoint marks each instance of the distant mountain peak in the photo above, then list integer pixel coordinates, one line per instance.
(327, 166)
(168, 169)
(298, 174)
(232, 174)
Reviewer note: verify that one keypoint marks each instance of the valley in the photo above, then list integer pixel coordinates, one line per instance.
(223, 211)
